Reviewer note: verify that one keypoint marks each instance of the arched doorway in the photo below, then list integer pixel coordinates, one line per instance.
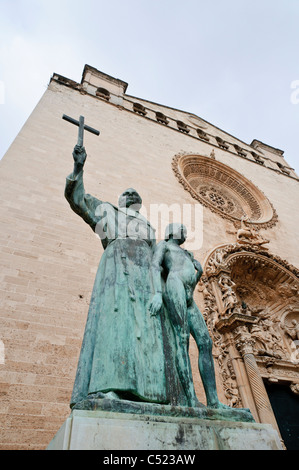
(251, 300)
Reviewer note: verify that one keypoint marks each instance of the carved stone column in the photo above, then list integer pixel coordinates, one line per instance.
(244, 344)
(237, 326)
(226, 328)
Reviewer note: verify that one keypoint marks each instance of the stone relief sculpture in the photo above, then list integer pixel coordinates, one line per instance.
(215, 262)
(293, 330)
(228, 294)
(248, 234)
(253, 295)
(290, 327)
(267, 339)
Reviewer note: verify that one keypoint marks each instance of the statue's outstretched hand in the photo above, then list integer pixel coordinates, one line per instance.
(79, 156)
(155, 304)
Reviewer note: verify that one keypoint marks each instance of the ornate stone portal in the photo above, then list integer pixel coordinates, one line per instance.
(252, 311)
(250, 296)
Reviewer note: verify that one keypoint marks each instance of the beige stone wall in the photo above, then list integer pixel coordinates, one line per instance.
(49, 256)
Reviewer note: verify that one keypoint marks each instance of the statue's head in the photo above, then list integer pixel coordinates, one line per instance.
(176, 232)
(130, 198)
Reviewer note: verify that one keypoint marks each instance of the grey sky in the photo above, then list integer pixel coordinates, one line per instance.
(231, 62)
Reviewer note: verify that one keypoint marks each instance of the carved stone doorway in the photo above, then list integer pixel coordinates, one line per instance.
(285, 405)
(251, 300)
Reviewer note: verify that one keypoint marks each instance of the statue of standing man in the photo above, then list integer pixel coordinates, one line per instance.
(122, 349)
(181, 272)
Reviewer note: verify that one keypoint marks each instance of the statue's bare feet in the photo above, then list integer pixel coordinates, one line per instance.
(195, 403)
(219, 406)
(112, 395)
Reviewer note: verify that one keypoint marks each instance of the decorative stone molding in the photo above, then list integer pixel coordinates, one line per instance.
(295, 388)
(234, 323)
(223, 190)
(221, 258)
(248, 235)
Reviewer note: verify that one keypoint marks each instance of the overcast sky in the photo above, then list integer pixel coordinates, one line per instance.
(231, 62)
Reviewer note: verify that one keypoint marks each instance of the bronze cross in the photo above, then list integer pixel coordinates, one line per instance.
(81, 126)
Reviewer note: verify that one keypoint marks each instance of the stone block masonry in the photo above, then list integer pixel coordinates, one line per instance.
(49, 257)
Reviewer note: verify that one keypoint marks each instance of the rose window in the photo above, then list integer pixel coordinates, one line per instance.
(223, 189)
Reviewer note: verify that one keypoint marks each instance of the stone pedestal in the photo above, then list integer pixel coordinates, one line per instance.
(167, 428)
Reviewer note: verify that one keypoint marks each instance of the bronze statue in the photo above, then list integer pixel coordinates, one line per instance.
(122, 351)
(181, 273)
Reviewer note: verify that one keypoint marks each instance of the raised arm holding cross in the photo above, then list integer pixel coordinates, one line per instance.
(122, 352)
(79, 153)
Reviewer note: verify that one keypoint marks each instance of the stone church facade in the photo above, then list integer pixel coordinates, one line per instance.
(241, 203)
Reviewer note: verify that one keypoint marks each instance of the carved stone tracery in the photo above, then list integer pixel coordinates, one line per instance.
(223, 190)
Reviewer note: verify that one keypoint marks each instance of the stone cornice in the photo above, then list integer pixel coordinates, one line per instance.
(127, 105)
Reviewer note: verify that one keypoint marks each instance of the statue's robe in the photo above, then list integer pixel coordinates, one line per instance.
(122, 348)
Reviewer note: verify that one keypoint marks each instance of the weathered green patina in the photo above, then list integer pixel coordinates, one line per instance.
(142, 311)
(125, 350)
(182, 272)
